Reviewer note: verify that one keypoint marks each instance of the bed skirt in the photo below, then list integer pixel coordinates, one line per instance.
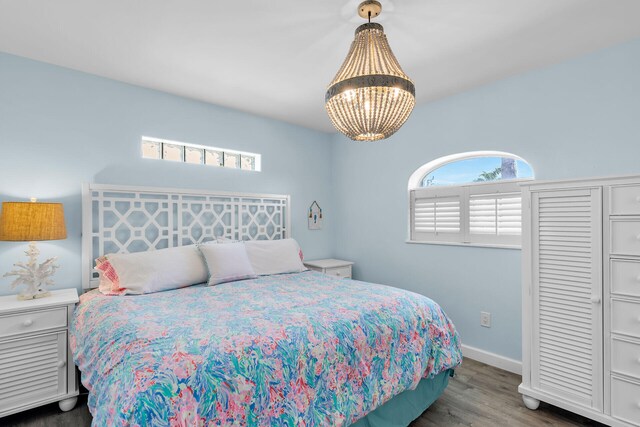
(407, 406)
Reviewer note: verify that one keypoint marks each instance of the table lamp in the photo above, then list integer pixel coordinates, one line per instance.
(28, 222)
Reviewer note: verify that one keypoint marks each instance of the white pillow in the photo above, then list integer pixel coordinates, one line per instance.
(217, 240)
(274, 256)
(160, 270)
(226, 240)
(227, 263)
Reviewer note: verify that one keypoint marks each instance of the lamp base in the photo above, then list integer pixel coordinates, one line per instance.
(35, 276)
(27, 297)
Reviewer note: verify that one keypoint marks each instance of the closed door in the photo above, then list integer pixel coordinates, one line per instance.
(567, 295)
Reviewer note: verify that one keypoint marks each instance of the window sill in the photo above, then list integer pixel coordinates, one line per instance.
(474, 245)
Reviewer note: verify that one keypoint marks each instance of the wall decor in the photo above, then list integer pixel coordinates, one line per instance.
(315, 216)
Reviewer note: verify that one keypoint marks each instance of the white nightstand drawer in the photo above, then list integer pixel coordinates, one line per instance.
(344, 272)
(625, 237)
(625, 400)
(625, 277)
(32, 369)
(625, 200)
(625, 318)
(331, 266)
(33, 321)
(625, 358)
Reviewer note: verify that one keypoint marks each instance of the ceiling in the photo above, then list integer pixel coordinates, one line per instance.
(275, 58)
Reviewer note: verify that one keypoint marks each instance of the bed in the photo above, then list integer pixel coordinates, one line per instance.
(300, 349)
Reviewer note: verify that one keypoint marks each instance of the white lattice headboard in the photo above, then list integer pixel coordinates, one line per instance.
(122, 219)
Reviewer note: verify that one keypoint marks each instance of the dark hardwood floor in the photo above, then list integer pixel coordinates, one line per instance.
(478, 396)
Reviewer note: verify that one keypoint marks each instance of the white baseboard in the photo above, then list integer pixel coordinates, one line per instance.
(492, 359)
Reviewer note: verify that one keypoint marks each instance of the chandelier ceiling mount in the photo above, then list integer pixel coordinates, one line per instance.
(369, 9)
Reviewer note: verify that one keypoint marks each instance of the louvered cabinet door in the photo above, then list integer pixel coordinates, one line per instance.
(32, 369)
(567, 294)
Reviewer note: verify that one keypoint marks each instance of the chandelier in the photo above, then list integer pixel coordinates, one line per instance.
(370, 97)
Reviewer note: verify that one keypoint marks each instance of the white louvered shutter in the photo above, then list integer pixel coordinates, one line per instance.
(495, 218)
(567, 282)
(478, 213)
(435, 217)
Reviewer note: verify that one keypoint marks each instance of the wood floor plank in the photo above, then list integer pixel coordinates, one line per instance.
(478, 396)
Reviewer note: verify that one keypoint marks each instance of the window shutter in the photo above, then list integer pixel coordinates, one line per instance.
(435, 217)
(495, 217)
(482, 213)
(495, 213)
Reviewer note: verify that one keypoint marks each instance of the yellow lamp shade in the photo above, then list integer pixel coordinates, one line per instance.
(29, 221)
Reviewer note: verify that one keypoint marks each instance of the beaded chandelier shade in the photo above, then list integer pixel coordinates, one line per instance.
(370, 97)
(30, 221)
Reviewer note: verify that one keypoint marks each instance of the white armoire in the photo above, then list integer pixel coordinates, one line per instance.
(581, 297)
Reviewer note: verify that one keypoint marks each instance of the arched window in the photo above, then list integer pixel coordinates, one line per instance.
(468, 198)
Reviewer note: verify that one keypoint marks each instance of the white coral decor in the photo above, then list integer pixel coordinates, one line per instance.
(35, 276)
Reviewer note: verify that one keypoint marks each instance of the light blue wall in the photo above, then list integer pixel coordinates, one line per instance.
(59, 128)
(580, 118)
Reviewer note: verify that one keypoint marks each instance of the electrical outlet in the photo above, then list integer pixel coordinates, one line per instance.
(485, 319)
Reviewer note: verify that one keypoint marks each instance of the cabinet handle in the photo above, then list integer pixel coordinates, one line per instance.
(595, 299)
(61, 364)
(27, 322)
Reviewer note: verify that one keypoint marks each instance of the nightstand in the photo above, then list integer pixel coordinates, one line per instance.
(333, 267)
(36, 366)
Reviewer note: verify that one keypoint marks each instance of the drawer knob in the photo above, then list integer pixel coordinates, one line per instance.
(595, 299)
(61, 364)
(27, 322)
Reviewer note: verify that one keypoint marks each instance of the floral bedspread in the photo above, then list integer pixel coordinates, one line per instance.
(301, 349)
